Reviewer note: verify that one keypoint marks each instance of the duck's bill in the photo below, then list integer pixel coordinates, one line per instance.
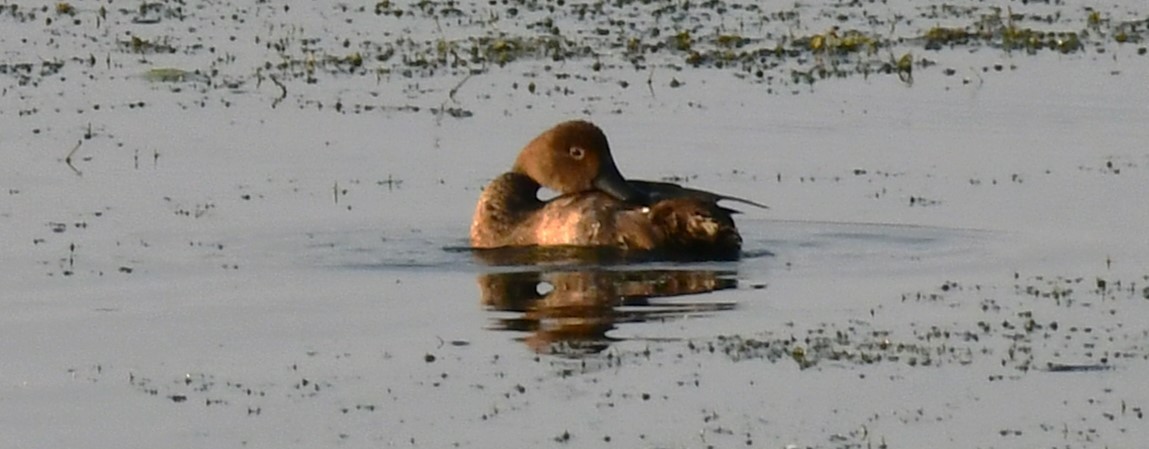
(613, 184)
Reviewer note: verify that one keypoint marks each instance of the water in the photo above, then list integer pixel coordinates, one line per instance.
(224, 262)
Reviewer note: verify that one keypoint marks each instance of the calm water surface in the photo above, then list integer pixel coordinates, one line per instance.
(234, 225)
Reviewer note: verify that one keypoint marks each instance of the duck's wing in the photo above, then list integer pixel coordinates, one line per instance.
(656, 190)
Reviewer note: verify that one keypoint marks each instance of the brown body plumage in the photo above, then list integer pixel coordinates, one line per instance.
(597, 206)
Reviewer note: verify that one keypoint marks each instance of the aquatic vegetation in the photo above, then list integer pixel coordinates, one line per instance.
(833, 42)
(1004, 33)
(141, 45)
(939, 36)
(784, 47)
(174, 75)
(65, 8)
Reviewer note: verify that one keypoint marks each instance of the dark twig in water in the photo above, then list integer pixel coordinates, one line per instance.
(455, 90)
(650, 82)
(282, 88)
(68, 158)
(1076, 368)
(450, 99)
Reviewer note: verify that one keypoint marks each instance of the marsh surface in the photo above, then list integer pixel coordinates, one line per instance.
(239, 225)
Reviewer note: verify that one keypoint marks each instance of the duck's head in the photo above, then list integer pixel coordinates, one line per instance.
(575, 157)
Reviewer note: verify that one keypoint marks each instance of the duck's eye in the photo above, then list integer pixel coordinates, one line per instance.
(577, 153)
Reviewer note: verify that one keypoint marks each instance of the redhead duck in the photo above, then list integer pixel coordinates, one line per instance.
(597, 207)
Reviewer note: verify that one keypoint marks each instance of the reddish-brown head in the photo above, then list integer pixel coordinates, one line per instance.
(574, 157)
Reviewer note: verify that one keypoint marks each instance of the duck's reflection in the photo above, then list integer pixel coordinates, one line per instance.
(570, 311)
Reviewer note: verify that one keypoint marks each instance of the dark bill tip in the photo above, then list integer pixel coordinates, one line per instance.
(614, 185)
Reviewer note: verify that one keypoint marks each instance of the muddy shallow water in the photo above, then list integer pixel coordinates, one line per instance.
(237, 225)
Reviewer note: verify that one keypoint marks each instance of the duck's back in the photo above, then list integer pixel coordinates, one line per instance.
(593, 219)
(678, 228)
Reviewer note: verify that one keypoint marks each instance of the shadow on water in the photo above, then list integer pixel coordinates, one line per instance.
(567, 300)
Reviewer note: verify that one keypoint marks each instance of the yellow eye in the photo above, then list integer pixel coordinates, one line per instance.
(577, 153)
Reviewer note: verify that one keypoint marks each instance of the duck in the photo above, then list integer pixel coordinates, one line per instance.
(596, 206)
